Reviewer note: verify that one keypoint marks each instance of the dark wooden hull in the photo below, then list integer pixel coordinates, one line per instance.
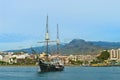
(44, 67)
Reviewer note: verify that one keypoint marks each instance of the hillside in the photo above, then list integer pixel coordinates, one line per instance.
(106, 45)
(76, 46)
(79, 46)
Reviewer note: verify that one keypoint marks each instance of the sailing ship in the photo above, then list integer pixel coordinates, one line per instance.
(46, 63)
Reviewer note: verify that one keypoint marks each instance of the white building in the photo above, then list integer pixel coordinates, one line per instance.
(6, 58)
(114, 54)
(82, 57)
(1, 57)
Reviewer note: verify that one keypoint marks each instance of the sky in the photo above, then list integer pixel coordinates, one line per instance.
(23, 22)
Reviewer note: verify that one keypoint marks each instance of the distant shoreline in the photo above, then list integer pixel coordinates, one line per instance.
(17, 65)
(65, 65)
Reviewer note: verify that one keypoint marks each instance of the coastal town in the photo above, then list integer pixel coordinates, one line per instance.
(22, 58)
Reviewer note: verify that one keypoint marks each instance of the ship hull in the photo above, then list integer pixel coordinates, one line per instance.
(44, 67)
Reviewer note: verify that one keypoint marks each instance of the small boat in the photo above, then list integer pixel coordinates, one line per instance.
(45, 63)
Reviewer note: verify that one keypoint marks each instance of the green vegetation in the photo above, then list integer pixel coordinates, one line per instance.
(95, 62)
(100, 60)
(3, 63)
(103, 56)
(78, 62)
(26, 61)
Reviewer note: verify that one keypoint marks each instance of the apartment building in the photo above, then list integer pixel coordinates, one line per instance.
(114, 54)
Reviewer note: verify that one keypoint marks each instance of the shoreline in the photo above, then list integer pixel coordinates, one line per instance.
(68, 65)
(17, 65)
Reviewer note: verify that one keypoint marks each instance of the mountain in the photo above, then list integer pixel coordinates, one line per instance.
(34, 50)
(79, 46)
(106, 45)
(76, 46)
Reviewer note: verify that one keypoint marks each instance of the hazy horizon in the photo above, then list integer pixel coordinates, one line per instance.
(23, 22)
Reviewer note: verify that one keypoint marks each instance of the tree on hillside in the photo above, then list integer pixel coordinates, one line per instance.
(103, 56)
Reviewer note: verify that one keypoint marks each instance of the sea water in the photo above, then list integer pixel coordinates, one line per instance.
(69, 73)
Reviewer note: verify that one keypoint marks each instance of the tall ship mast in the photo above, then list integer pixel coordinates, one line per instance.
(47, 64)
(58, 40)
(47, 36)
